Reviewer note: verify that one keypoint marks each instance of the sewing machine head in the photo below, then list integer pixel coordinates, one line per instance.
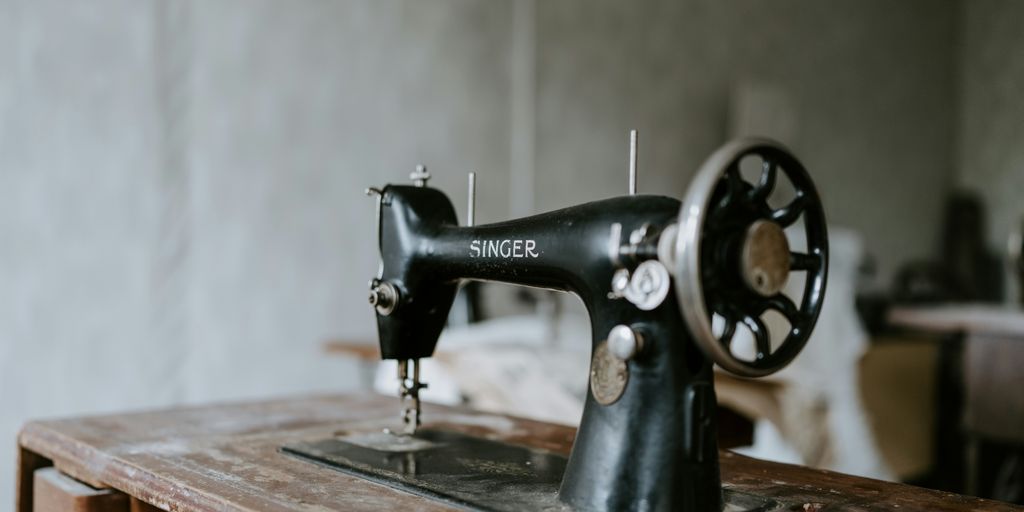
(667, 283)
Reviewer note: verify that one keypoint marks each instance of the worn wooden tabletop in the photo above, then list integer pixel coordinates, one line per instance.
(225, 457)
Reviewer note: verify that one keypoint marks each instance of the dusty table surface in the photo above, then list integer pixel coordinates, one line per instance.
(226, 457)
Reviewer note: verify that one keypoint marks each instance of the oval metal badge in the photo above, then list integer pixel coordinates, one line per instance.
(608, 375)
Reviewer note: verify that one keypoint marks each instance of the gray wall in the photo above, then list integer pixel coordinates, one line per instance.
(181, 206)
(871, 85)
(991, 122)
(181, 209)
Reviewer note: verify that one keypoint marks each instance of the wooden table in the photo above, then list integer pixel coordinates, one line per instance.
(978, 405)
(225, 457)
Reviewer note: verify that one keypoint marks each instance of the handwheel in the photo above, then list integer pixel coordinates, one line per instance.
(733, 257)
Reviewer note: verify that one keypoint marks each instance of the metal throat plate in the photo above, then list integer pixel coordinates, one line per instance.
(461, 470)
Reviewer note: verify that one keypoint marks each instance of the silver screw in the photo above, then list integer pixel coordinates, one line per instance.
(383, 297)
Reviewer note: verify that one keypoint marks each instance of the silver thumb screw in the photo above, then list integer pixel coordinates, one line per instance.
(624, 342)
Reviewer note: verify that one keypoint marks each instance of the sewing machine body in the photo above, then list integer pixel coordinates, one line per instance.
(652, 271)
(649, 445)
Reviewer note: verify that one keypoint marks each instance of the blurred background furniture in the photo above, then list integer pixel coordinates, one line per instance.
(979, 437)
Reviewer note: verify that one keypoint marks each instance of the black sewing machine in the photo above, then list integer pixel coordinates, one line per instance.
(667, 285)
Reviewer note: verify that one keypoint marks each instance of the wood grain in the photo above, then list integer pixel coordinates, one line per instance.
(226, 458)
(137, 505)
(28, 463)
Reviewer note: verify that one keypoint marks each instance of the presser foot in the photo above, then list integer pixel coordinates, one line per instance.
(409, 393)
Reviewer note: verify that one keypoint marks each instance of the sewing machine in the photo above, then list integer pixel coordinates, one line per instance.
(667, 284)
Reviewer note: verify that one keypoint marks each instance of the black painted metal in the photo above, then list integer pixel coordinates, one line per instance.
(655, 447)
(463, 470)
(736, 204)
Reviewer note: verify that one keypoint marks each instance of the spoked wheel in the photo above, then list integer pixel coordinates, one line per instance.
(733, 257)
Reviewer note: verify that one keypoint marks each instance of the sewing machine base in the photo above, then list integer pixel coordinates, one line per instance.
(462, 470)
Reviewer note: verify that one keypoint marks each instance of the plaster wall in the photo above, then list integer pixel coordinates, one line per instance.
(869, 86)
(181, 208)
(991, 115)
(182, 216)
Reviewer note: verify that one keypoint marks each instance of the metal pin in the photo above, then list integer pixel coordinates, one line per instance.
(420, 176)
(632, 162)
(471, 216)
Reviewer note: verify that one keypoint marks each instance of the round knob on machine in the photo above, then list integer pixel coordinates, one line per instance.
(624, 342)
(383, 297)
(733, 258)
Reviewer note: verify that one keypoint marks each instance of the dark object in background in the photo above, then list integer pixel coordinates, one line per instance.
(1015, 252)
(873, 310)
(965, 271)
(976, 272)
(872, 306)
(1000, 471)
(925, 282)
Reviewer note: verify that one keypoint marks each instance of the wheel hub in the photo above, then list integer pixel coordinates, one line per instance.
(764, 258)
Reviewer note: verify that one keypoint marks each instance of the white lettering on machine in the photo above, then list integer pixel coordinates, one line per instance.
(503, 249)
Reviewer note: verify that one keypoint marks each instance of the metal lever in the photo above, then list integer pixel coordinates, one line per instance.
(471, 216)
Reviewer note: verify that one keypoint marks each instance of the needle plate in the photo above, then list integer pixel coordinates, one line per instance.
(460, 469)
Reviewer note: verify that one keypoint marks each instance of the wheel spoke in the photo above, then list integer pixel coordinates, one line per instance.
(761, 336)
(803, 261)
(728, 332)
(788, 214)
(733, 190)
(732, 175)
(766, 185)
(784, 305)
